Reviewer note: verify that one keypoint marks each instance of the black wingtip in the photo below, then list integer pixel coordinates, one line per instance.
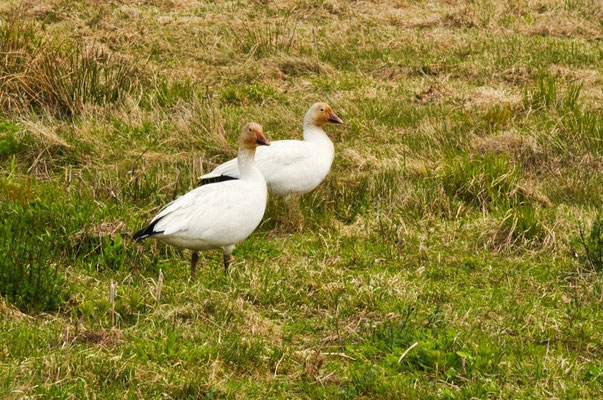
(147, 231)
(216, 179)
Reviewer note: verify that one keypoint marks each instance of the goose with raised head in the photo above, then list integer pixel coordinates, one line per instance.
(219, 215)
(291, 166)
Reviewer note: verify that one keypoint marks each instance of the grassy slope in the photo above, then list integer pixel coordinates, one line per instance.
(463, 172)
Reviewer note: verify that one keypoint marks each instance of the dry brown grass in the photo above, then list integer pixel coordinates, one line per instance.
(484, 97)
(44, 132)
(556, 23)
(517, 147)
(42, 73)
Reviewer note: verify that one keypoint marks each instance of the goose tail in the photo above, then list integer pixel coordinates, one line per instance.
(147, 231)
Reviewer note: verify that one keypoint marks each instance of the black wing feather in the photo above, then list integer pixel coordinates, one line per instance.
(216, 179)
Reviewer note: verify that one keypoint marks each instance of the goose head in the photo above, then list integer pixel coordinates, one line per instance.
(320, 114)
(252, 136)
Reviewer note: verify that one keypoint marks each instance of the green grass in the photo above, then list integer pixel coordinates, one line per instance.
(460, 225)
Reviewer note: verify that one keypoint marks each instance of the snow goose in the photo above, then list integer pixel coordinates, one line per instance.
(218, 215)
(291, 166)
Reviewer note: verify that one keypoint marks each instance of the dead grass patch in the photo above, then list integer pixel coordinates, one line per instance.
(587, 76)
(434, 16)
(517, 147)
(436, 92)
(416, 168)
(298, 66)
(108, 228)
(483, 97)
(564, 26)
(101, 338)
(257, 324)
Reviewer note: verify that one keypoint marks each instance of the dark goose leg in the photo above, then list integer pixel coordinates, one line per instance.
(194, 259)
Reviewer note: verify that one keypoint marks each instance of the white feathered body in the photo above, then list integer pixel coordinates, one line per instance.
(289, 166)
(215, 215)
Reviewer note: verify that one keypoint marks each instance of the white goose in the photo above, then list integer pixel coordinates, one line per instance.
(291, 166)
(218, 215)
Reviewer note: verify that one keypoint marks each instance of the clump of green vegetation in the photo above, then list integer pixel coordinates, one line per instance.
(346, 199)
(523, 224)
(568, 127)
(38, 237)
(30, 243)
(111, 252)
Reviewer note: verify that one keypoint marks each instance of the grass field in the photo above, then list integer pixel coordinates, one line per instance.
(454, 251)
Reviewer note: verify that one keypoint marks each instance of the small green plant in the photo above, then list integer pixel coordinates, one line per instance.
(498, 117)
(113, 252)
(8, 142)
(591, 246)
(527, 222)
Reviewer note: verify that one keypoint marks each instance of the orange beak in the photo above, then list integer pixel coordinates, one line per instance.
(261, 140)
(333, 118)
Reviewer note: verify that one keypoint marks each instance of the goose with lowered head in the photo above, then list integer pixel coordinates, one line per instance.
(291, 166)
(218, 215)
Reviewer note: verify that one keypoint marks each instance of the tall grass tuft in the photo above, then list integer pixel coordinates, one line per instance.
(41, 73)
(568, 126)
(262, 41)
(524, 225)
(489, 182)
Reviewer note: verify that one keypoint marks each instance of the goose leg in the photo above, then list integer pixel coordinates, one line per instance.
(194, 260)
(227, 257)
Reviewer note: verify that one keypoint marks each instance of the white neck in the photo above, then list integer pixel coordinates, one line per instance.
(246, 163)
(314, 132)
